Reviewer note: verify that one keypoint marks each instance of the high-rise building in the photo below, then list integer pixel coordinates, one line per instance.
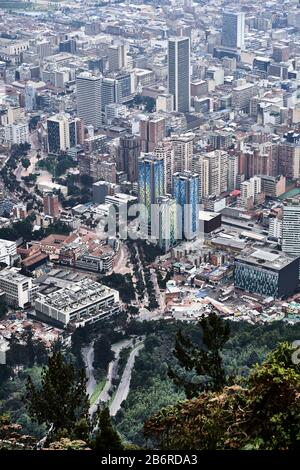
(233, 31)
(186, 193)
(212, 168)
(151, 185)
(291, 229)
(88, 90)
(117, 57)
(152, 132)
(166, 151)
(109, 92)
(17, 133)
(51, 205)
(250, 190)
(63, 132)
(183, 150)
(164, 226)
(128, 155)
(233, 169)
(179, 82)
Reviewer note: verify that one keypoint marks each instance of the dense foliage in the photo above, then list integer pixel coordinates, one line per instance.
(151, 389)
(264, 413)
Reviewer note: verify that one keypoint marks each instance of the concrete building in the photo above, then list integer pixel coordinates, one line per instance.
(16, 287)
(81, 303)
(128, 154)
(88, 91)
(269, 273)
(165, 103)
(291, 228)
(212, 168)
(63, 132)
(166, 151)
(51, 205)
(179, 83)
(165, 223)
(233, 31)
(250, 190)
(17, 133)
(152, 132)
(117, 57)
(8, 252)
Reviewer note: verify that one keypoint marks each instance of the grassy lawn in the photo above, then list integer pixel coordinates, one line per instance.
(98, 389)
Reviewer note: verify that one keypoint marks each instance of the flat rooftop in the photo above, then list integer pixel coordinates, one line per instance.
(270, 259)
(75, 295)
(207, 215)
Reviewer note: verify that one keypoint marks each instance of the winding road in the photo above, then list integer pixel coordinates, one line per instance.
(124, 385)
(112, 367)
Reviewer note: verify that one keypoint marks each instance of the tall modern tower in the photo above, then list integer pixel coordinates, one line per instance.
(151, 185)
(186, 193)
(179, 82)
(233, 32)
(128, 155)
(88, 89)
(291, 229)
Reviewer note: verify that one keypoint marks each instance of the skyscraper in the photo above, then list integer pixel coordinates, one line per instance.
(88, 89)
(63, 132)
(179, 72)
(233, 32)
(165, 222)
(51, 204)
(291, 229)
(151, 185)
(128, 155)
(117, 57)
(152, 132)
(166, 151)
(186, 193)
(109, 92)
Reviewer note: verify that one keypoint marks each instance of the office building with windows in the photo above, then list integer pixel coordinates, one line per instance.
(150, 184)
(186, 193)
(269, 273)
(179, 82)
(233, 31)
(88, 92)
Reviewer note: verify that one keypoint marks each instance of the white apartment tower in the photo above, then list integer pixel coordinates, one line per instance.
(291, 229)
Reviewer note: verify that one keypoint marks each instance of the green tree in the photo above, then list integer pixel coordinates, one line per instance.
(61, 400)
(25, 163)
(103, 353)
(264, 414)
(206, 361)
(106, 437)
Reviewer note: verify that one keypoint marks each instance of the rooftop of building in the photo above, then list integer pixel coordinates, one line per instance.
(207, 215)
(75, 295)
(262, 257)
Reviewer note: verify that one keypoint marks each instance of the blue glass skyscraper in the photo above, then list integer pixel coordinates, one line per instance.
(151, 184)
(186, 191)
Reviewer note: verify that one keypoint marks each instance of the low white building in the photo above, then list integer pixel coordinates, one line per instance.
(16, 287)
(81, 303)
(8, 252)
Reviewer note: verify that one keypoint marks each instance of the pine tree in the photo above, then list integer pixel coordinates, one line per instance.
(61, 401)
(106, 437)
(205, 361)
